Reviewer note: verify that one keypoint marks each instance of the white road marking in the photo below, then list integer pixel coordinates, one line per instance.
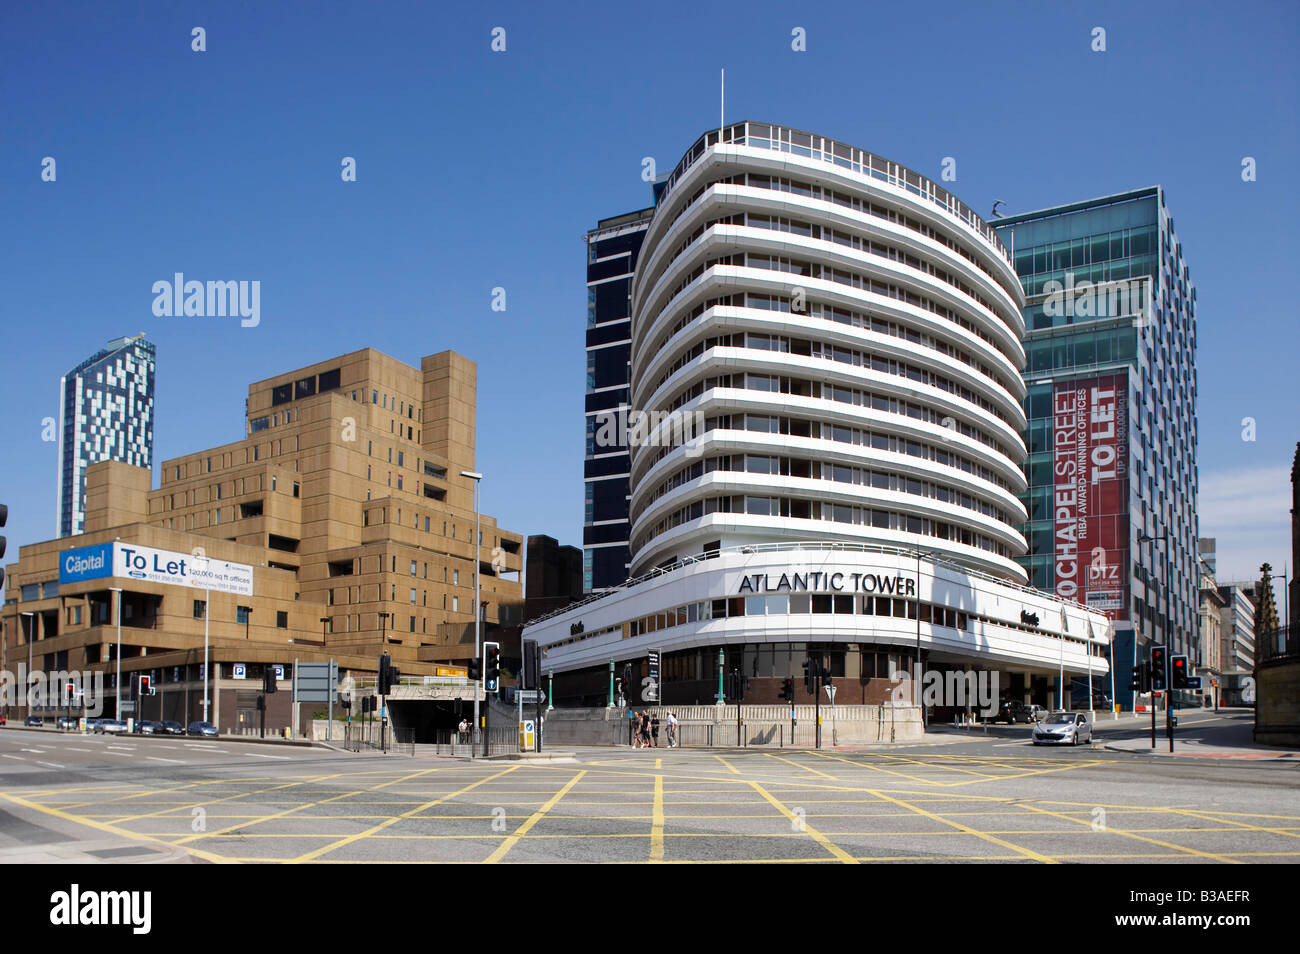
(77, 749)
(159, 758)
(18, 758)
(259, 756)
(50, 764)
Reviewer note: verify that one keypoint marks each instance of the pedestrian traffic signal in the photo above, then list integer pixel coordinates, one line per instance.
(787, 690)
(1158, 670)
(1178, 672)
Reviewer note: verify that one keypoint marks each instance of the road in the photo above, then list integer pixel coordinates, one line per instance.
(958, 797)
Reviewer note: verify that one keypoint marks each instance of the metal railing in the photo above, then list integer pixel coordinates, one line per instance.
(374, 737)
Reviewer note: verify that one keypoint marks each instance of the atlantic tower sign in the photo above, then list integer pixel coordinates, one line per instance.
(817, 581)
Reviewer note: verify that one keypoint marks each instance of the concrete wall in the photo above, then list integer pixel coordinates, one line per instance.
(703, 726)
(1277, 705)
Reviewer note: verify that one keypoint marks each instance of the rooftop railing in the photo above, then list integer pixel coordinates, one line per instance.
(812, 146)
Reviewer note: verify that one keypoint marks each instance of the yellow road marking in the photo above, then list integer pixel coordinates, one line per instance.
(101, 826)
(808, 768)
(1128, 834)
(657, 822)
(1025, 852)
(312, 855)
(808, 829)
(295, 808)
(1207, 816)
(732, 768)
(533, 819)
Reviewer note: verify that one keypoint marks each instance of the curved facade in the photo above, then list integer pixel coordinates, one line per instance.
(827, 347)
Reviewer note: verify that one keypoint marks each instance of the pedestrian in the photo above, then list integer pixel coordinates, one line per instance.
(672, 731)
(654, 730)
(461, 730)
(634, 729)
(645, 729)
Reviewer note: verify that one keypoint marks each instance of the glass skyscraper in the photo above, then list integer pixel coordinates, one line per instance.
(1111, 373)
(612, 250)
(106, 413)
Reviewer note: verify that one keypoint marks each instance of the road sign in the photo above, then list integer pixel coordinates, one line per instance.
(530, 695)
(239, 671)
(1193, 682)
(316, 681)
(128, 705)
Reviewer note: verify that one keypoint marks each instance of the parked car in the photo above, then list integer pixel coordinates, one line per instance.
(3, 721)
(66, 722)
(205, 729)
(167, 727)
(1037, 713)
(1013, 711)
(145, 727)
(32, 720)
(113, 726)
(1062, 727)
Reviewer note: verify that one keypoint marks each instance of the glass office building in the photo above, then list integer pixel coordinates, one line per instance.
(1110, 349)
(612, 250)
(106, 413)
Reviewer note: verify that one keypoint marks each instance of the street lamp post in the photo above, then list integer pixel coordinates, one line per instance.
(1170, 648)
(201, 564)
(31, 631)
(477, 478)
(323, 621)
(117, 680)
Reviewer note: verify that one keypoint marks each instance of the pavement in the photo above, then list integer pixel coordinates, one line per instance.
(959, 796)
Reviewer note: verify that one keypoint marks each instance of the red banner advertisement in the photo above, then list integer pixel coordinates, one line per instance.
(1090, 492)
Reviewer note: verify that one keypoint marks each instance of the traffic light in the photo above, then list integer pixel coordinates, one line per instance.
(1158, 668)
(146, 686)
(808, 677)
(475, 669)
(532, 664)
(1141, 680)
(4, 515)
(269, 682)
(1178, 671)
(388, 674)
(787, 690)
(345, 702)
(69, 692)
(492, 662)
(824, 670)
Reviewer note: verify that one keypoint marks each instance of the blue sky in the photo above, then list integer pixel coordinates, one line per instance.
(479, 169)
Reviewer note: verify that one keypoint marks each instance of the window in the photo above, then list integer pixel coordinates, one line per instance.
(200, 609)
(455, 604)
(412, 597)
(281, 619)
(412, 568)
(455, 580)
(295, 488)
(241, 614)
(412, 624)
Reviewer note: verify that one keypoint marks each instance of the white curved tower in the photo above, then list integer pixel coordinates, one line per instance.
(836, 343)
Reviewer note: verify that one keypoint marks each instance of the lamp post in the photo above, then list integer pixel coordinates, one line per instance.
(117, 680)
(201, 565)
(31, 631)
(323, 621)
(1169, 690)
(248, 612)
(477, 478)
(550, 690)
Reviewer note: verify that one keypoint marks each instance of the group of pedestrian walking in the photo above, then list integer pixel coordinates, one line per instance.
(645, 730)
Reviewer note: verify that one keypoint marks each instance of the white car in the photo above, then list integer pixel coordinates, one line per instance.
(109, 725)
(1062, 727)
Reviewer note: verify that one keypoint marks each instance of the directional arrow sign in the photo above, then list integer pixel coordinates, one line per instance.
(530, 695)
